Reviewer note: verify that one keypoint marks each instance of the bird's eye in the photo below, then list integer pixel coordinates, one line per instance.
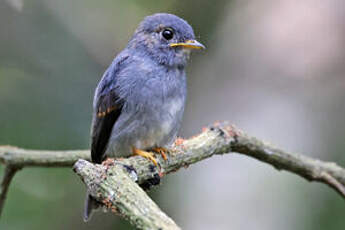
(168, 34)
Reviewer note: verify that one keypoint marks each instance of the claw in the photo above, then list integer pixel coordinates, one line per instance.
(161, 151)
(145, 154)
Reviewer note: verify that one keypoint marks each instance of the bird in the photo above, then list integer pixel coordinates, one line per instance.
(139, 102)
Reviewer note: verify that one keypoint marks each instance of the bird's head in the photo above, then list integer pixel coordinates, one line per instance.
(166, 38)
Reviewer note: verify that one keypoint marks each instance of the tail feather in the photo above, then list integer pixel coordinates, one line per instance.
(91, 205)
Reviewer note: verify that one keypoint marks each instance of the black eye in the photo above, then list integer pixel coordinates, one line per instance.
(168, 34)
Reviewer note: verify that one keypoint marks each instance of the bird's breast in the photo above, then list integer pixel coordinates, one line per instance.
(158, 104)
(171, 113)
(161, 121)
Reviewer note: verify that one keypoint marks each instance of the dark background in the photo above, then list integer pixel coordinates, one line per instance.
(275, 68)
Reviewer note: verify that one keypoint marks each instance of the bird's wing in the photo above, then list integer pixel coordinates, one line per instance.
(104, 119)
(107, 108)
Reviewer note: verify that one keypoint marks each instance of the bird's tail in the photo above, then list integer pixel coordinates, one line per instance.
(91, 205)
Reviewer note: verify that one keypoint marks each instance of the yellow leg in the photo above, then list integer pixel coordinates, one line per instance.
(145, 154)
(161, 151)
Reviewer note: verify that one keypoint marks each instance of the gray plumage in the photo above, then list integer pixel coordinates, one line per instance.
(140, 99)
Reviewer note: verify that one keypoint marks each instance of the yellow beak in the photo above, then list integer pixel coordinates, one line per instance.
(191, 44)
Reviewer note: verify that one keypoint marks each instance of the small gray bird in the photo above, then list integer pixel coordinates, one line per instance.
(139, 103)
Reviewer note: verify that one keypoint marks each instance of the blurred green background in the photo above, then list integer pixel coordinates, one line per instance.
(275, 68)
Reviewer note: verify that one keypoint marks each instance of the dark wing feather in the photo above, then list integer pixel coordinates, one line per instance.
(109, 109)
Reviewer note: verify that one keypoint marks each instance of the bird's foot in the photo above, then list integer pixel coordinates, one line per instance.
(162, 151)
(145, 154)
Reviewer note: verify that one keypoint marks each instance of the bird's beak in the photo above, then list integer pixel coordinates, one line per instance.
(191, 44)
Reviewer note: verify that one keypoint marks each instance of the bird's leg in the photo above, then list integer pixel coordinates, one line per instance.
(145, 154)
(162, 151)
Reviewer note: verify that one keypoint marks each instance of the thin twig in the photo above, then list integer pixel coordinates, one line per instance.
(331, 181)
(14, 156)
(9, 173)
(311, 169)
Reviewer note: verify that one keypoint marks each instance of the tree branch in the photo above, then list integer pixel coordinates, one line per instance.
(311, 169)
(117, 190)
(10, 171)
(224, 138)
(14, 156)
(217, 139)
